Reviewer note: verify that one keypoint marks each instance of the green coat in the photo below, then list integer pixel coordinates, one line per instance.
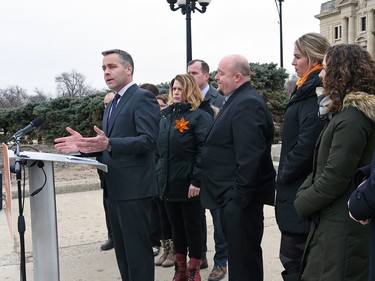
(337, 247)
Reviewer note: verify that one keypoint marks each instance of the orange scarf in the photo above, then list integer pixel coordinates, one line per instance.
(302, 80)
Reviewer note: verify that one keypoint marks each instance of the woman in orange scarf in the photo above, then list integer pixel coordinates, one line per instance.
(300, 130)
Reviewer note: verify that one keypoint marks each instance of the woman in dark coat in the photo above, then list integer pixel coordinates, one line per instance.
(182, 131)
(337, 247)
(301, 128)
(362, 205)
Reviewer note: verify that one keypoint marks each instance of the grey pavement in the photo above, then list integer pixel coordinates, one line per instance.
(81, 231)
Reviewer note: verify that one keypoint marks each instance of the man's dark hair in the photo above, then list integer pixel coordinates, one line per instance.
(204, 66)
(126, 58)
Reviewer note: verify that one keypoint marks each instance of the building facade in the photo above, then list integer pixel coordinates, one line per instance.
(349, 21)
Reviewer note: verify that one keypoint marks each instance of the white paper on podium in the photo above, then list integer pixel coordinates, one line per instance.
(33, 155)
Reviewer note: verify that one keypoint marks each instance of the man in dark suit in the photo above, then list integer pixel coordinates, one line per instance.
(200, 70)
(238, 174)
(130, 128)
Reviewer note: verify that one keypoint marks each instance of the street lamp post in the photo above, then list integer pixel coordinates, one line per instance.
(280, 11)
(187, 7)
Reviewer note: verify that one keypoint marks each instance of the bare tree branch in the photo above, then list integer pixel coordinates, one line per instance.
(72, 84)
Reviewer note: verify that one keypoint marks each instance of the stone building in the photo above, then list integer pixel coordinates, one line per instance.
(349, 21)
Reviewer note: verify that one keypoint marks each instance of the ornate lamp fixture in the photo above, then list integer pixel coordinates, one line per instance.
(187, 7)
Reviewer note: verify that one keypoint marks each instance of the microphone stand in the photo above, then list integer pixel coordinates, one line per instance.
(21, 220)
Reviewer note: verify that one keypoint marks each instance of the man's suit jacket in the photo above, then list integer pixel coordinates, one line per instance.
(132, 135)
(236, 157)
(215, 98)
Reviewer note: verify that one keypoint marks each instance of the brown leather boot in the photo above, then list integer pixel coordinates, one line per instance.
(169, 260)
(180, 267)
(165, 252)
(194, 270)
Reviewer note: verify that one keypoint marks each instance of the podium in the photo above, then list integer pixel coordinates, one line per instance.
(43, 209)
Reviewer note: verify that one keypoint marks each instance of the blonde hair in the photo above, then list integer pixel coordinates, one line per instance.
(314, 46)
(190, 90)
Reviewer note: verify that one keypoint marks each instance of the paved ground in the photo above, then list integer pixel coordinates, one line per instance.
(81, 230)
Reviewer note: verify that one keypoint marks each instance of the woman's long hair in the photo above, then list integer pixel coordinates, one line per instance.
(314, 46)
(349, 68)
(190, 90)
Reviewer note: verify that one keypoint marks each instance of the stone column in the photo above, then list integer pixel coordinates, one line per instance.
(351, 29)
(345, 30)
(370, 34)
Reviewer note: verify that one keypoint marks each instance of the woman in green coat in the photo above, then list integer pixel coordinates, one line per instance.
(337, 247)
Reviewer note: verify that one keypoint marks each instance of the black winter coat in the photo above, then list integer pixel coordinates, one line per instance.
(362, 204)
(301, 129)
(179, 151)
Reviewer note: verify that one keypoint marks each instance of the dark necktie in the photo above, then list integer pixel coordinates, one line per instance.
(113, 109)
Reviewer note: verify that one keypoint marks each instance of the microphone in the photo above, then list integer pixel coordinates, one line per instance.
(33, 124)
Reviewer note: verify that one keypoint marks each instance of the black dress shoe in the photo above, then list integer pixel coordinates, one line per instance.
(204, 263)
(107, 245)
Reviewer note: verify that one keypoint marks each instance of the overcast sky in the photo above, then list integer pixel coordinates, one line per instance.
(40, 39)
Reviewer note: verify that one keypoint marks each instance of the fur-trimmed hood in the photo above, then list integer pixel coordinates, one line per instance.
(362, 101)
